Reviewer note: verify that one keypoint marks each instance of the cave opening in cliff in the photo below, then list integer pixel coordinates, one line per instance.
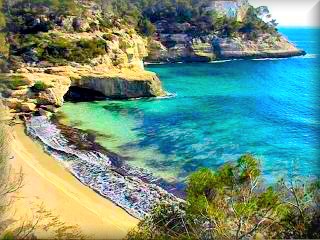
(79, 94)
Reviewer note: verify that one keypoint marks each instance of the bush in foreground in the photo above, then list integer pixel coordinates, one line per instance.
(233, 203)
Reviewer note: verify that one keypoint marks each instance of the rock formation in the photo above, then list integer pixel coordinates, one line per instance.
(234, 37)
(64, 51)
(265, 46)
(112, 83)
(209, 48)
(50, 51)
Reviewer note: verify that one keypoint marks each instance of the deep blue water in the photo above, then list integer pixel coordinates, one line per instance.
(221, 110)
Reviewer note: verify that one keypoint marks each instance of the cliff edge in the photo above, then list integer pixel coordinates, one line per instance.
(51, 50)
(222, 29)
(48, 47)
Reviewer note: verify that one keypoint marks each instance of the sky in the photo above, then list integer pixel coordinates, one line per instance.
(292, 12)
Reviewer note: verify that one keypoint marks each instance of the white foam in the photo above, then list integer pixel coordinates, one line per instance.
(95, 170)
(167, 96)
(222, 61)
(268, 59)
(309, 55)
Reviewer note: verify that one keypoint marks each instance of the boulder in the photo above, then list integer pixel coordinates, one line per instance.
(22, 70)
(12, 103)
(22, 94)
(28, 107)
(49, 108)
(58, 85)
(80, 25)
(45, 113)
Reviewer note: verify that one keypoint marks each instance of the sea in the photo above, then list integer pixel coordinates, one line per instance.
(214, 113)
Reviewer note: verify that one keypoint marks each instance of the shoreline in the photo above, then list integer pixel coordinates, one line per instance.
(236, 56)
(47, 182)
(133, 189)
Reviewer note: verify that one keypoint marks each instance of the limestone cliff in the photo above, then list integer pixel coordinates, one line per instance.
(184, 49)
(52, 49)
(210, 47)
(230, 29)
(49, 53)
(264, 46)
(115, 83)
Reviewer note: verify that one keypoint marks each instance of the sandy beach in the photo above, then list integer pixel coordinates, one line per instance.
(48, 183)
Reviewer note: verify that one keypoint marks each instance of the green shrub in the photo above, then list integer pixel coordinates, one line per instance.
(7, 236)
(16, 82)
(146, 27)
(39, 86)
(61, 50)
(233, 203)
(105, 24)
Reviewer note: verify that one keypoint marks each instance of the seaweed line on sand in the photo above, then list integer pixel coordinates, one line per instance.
(134, 190)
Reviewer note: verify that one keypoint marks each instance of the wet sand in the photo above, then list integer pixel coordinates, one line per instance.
(48, 182)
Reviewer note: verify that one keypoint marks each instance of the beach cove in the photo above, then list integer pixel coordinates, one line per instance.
(216, 112)
(111, 107)
(125, 164)
(47, 182)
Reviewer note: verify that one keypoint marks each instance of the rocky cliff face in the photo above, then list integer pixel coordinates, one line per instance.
(237, 32)
(56, 52)
(122, 85)
(51, 52)
(115, 83)
(184, 49)
(210, 47)
(265, 46)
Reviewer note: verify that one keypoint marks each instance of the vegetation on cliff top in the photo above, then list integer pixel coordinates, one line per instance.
(233, 203)
(57, 49)
(196, 17)
(24, 24)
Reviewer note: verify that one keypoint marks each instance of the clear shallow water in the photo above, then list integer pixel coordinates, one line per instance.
(221, 110)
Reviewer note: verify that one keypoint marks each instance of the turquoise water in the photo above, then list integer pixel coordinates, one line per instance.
(220, 110)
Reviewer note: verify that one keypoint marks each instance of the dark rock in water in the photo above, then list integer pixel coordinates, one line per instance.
(78, 94)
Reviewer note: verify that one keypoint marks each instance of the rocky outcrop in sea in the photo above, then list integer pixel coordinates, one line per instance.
(209, 48)
(189, 42)
(109, 82)
(132, 189)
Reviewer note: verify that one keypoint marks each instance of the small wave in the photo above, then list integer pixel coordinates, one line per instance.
(278, 59)
(222, 61)
(304, 41)
(155, 63)
(268, 59)
(309, 55)
(167, 96)
(132, 189)
(227, 60)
